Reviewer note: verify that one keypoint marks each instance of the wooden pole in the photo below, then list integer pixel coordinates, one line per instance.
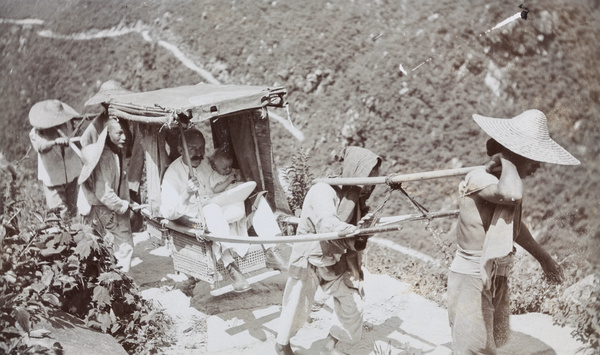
(427, 175)
(318, 236)
(83, 119)
(186, 154)
(71, 142)
(191, 174)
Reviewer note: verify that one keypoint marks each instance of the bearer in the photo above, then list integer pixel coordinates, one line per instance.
(58, 164)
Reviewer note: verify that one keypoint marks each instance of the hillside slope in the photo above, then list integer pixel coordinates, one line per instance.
(402, 78)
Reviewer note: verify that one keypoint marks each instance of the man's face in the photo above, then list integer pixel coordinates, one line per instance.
(526, 167)
(196, 151)
(367, 190)
(116, 134)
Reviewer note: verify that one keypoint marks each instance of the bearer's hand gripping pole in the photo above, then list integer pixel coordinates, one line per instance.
(72, 141)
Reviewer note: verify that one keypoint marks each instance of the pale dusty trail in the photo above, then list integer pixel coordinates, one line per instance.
(395, 318)
(144, 31)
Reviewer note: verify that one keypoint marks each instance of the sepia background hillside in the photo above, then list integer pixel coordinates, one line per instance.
(399, 77)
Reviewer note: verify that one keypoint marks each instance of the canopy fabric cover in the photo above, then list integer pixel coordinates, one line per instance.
(237, 120)
(204, 100)
(249, 136)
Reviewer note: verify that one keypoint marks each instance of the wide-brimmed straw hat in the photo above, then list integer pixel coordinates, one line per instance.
(90, 155)
(108, 90)
(50, 113)
(527, 135)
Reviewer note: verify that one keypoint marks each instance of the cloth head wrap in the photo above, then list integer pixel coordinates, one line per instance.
(358, 162)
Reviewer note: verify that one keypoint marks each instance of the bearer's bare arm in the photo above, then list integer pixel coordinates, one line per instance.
(552, 270)
(509, 190)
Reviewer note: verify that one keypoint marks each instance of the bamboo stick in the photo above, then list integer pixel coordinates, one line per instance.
(144, 119)
(135, 109)
(80, 123)
(71, 143)
(427, 175)
(324, 236)
(191, 175)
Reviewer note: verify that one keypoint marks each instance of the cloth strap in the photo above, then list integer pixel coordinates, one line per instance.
(498, 243)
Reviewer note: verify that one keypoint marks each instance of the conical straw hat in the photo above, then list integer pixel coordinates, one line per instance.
(50, 113)
(108, 90)
(90, 155)
(527, 135)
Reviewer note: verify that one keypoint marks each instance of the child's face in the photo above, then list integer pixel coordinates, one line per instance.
(222, 166)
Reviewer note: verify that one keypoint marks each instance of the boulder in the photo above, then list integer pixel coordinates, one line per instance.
(74, 337)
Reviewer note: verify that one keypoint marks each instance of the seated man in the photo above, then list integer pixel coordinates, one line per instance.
(185, 198)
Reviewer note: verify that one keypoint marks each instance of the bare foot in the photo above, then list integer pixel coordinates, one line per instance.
(283, 349)
(330, 349)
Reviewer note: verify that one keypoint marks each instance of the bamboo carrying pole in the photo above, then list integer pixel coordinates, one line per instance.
(427, 175)
(191, 174)
(323, 236)
(71, 142)
(72, 139)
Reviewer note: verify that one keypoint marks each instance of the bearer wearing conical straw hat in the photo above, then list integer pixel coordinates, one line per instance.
(58, 163)
(489, 223)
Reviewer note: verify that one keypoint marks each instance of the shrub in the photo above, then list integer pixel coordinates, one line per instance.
(67, 267)
(298, 178)
(583, 313)
(531, 293)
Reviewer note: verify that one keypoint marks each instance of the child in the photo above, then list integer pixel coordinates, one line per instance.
(222, 178)
(230, 192)
(226, 176)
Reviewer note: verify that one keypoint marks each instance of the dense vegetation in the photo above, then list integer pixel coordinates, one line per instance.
(48, 265)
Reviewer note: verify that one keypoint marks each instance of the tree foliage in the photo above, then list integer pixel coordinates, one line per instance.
(62, 266)
(299, 180)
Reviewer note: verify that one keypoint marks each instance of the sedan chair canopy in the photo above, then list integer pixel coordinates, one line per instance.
(238, 117)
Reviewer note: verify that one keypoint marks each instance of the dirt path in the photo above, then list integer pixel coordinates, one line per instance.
(396, 319)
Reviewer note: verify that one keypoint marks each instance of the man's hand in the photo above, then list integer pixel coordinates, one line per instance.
(553, 272)
(193, 186)
(367, 221)
(495, 164)
(63, 141)
(135, 207)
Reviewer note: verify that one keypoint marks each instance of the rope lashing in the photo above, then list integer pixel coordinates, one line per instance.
(393, 186)
(398, 186)
(377, 211)
(183, 118)
(264, 112)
